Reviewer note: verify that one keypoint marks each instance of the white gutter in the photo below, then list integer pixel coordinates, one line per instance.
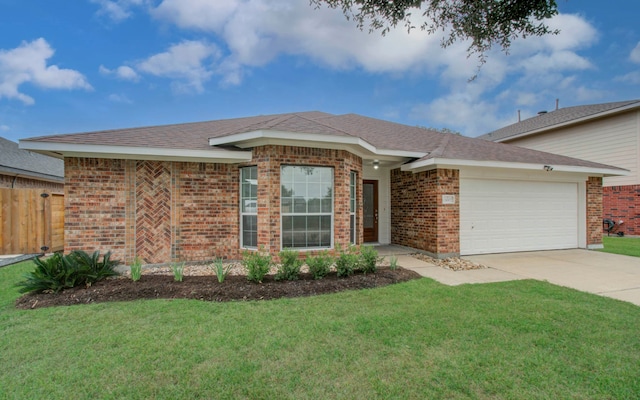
(60, 150)
(423, 165)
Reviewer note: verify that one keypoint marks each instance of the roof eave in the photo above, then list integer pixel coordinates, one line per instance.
(61, 150)
(432, 163)
(353, 144)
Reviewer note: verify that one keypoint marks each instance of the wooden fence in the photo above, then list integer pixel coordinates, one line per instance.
(31, 221)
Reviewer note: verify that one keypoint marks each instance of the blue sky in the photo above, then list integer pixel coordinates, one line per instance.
(85, 65)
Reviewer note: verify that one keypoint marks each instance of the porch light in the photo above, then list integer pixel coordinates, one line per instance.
(376, 164)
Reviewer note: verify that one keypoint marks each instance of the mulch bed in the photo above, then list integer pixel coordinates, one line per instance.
(207, 288)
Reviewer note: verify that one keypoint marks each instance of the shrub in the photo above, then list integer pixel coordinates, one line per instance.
(221, 270)
(290, 264)
(346, 262)
(257, 264)
(393, 262)
(368, 259)
(320, 264)
(178, 271)
(59, 271)
(136, 269)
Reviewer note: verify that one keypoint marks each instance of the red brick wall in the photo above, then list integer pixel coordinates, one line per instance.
(594, 211)
(270, 158)
(623, 203)
(165, 211)
(95, 199)
(8, 181)
(418, 217)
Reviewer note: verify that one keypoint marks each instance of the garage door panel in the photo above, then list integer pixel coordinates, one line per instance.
(504, 216)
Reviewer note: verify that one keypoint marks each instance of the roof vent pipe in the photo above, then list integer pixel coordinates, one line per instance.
(557, 104)
(518, 115)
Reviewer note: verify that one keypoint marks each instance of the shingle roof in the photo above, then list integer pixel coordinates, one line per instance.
(379, 133)
(557, 117)
(14, 160)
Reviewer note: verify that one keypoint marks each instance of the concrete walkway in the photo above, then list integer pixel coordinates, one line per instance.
(605, 274)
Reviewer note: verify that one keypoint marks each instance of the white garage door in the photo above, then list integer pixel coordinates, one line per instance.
(499, 216)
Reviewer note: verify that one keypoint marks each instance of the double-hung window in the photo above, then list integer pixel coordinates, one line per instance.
(249, 207)
(352, 208)
(306, 207)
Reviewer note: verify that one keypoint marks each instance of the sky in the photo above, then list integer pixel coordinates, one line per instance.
(87, 65)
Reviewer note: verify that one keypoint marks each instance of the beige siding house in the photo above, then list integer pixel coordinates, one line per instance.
(606, 133)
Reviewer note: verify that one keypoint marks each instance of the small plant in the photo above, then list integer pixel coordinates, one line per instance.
(320, 265)
(257, 264)
(178, 271)
(393, 262)
(346, 262)
(289, 267)
(59, 271)
(220, 269)
(368, 259)
(136, 269)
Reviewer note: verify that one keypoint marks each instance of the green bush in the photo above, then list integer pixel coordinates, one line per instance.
(346, 262)
(290, 264)
(221, 270)
(368, 259)
(136, 269)
(257, 264)
(59, 271)
(320, 265)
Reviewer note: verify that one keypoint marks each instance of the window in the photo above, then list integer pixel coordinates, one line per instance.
(306, 207)
(352, 208)
(249, 207)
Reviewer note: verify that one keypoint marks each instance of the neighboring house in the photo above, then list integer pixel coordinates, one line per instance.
(313, 181)
(25, 169)
(606, 133)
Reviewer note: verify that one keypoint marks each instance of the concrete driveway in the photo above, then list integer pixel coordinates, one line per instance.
(610, 275)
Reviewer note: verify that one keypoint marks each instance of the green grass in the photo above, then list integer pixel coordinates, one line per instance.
(621, 245)
(416, 340)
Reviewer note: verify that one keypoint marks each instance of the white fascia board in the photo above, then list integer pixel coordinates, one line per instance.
(571, 122)
(249, 139)
(419, 166)
(137, 153)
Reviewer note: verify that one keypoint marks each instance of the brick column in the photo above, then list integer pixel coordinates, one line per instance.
(594, 212)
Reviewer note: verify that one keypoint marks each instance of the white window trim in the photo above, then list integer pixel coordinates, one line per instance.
(353, 182)
(242, 214)
(333, 206)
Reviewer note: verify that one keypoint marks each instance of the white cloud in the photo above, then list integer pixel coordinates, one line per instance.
(27, 63)
(631, 77)
(635, 54)
(4, 128)
(119, 98)
(189, 64)
(123, 72)
(117, 10)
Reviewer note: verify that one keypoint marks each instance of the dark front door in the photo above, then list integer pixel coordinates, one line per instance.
(370, 210)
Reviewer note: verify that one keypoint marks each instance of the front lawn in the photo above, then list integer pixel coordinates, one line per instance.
(415, 340)
(621, 245)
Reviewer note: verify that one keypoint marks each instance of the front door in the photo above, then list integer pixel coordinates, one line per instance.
(370, 210)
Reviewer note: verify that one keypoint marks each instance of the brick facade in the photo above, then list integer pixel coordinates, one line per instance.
(623, 203)
(8, 181)
(418, 217)
(164, 211)
(594, 211)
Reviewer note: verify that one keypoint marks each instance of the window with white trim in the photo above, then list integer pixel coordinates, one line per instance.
(249, 207)
(352, 207)
(306, 207)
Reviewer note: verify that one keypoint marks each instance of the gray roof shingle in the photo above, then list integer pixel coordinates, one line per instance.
(557, 117)
(18, 161)
(379, 133)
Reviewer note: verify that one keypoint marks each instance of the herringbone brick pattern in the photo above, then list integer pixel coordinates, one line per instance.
(153, 211)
